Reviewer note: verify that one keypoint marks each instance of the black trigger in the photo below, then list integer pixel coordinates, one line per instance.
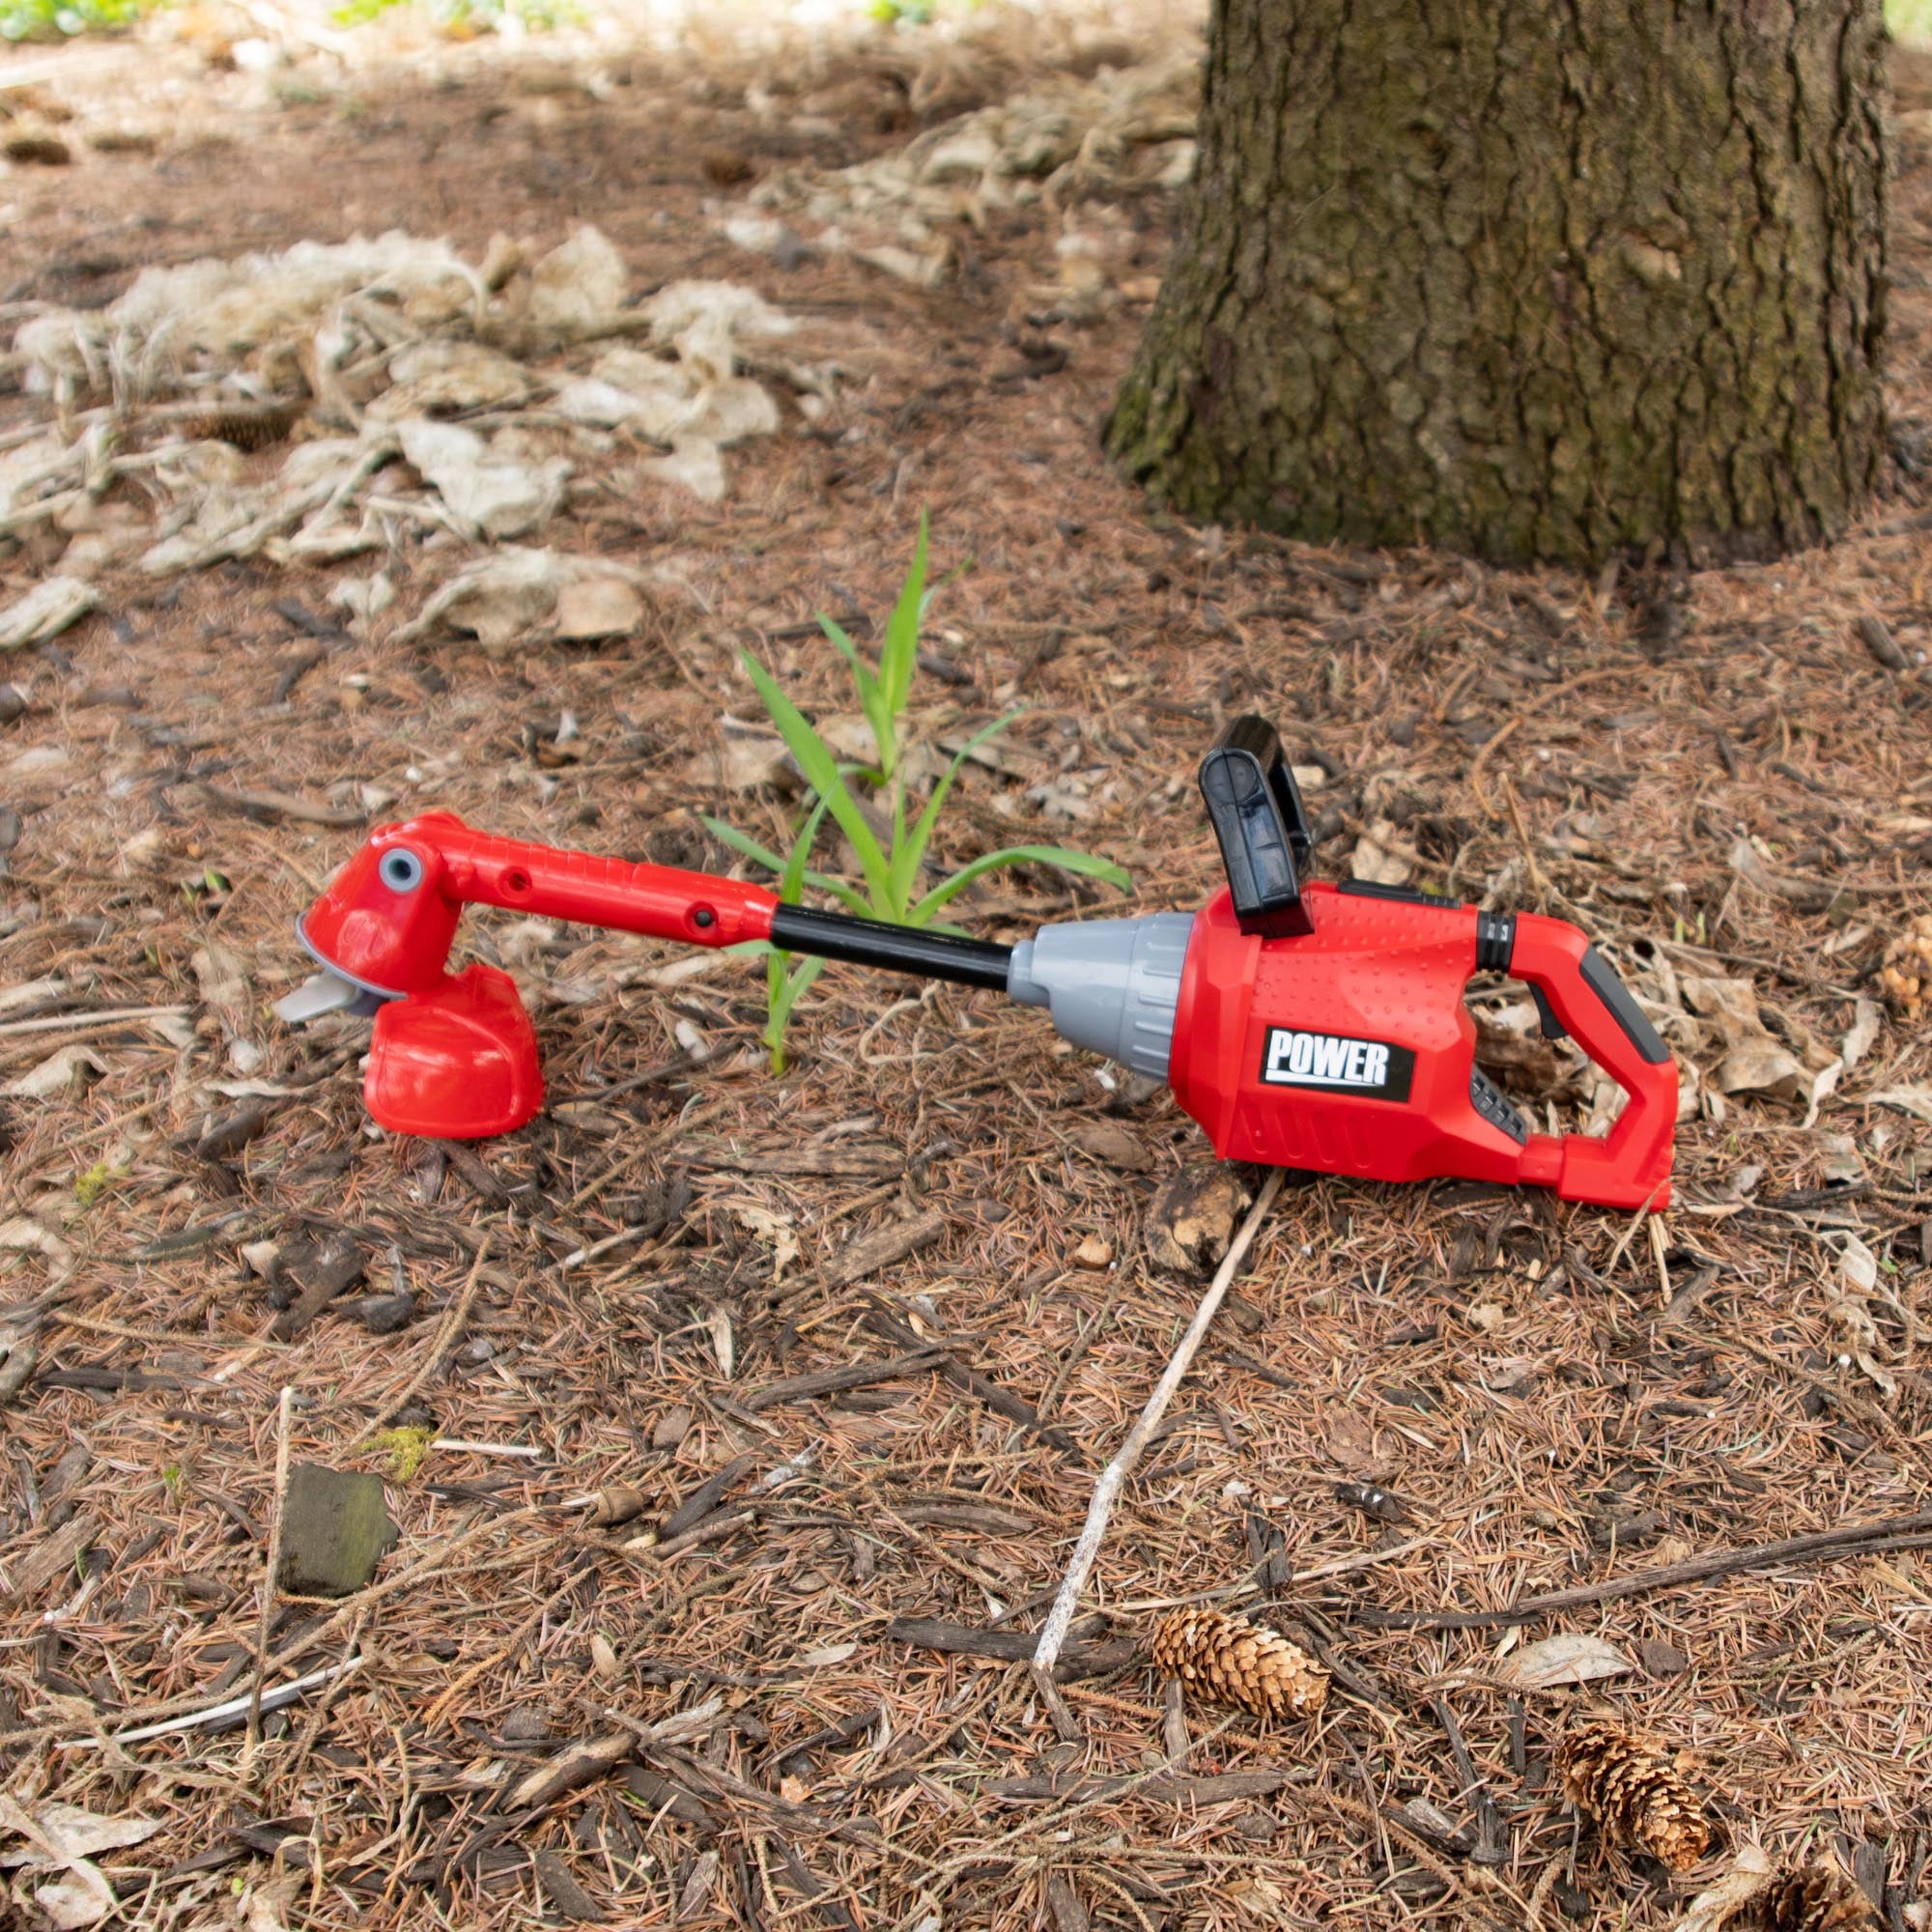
(1551, 1027)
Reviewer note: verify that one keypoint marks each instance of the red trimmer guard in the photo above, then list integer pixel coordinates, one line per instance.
(457, 1064)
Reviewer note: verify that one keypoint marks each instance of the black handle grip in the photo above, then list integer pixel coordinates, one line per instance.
(1255, 810)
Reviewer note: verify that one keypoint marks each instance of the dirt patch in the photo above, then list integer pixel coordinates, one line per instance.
(748, 1700)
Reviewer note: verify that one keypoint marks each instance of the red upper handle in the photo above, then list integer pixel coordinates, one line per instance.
(662, 901)
(389, 916)
(1630, 1166)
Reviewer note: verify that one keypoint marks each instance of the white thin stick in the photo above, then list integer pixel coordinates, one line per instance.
(1053, 1633)
(284, 1409)
(80, 1022)
(215, 1714)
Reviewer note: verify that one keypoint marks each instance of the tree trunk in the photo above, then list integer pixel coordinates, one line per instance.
(1531, 278)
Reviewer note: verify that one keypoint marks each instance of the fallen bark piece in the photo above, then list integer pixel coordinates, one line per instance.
(1903, 1532)
(563, 1894)
(1194, 1216)
(831, 1381)
(703, 1499)
(335, 1530)
(19, 1357)
(1079, 1660)
(1881, 643)
(1216, 1788)
(1001, 1401)
(279, 805)
(660, 1794)
(578, 1766)
(45, 612)
(338, 1267)
(884, 1247)
(53, 1557)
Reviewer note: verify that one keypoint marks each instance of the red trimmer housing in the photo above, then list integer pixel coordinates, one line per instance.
(1309, 1026)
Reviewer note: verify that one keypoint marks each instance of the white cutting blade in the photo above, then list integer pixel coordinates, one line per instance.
(323, 992)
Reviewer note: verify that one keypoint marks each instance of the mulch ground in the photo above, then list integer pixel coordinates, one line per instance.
(785, 1692)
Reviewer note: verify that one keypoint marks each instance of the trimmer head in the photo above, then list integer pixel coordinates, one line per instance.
(453, 1058)
(459, 1064)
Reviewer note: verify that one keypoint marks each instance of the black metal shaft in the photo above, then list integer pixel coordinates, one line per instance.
(898, 949)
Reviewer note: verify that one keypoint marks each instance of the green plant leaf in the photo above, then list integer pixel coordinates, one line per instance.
(1083, 863)
(786, 990)
(792, 878)
(849, 896)
(909, 854)
(871, 695)
(740, 842)
(821, 772)
(899, 652)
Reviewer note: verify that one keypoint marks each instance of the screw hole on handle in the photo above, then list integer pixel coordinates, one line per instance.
(703, 918)
(515, 882)
(400, 869)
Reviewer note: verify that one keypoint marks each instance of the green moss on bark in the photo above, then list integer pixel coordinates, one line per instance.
(1531, 278)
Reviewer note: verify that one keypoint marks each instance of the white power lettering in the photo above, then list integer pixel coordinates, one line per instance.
(1324, 1060)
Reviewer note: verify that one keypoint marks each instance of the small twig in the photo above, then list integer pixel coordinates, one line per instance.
(1523, 715)
(1492, 1842)
(283, 1410)
(451, 1329)
(1538, 884)
(1066, 1726)
(218, 1714)
(1053, 1633)
(99, 1017)
(1904, 1532)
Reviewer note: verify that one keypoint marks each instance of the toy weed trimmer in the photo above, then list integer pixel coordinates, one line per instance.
(1301, 1024)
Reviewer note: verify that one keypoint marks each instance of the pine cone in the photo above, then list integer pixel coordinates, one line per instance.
(1627, 1782)
(1906, 976)
(1809, 1899)
(243, 426)
(1231, 1660)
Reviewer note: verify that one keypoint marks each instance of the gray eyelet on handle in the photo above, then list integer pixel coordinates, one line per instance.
(400, 869)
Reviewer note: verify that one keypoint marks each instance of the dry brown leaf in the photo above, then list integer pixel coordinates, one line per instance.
(56, 1075)
(1350, 1441)
(45, 612)
(1567, 1657)
(1375, 859)
(1717, 1904)
(26, 1236)
(598, 607)
(1111, 1145)
(1759, 1067)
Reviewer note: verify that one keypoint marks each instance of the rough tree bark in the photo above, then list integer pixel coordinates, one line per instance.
(1530, 279)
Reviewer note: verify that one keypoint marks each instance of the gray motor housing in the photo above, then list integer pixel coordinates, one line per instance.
(1111, 984)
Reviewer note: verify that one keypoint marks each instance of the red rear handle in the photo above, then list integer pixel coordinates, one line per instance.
(1630, 1166)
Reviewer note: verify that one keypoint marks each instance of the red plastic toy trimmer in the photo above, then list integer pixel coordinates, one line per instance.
(1301, 1024)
